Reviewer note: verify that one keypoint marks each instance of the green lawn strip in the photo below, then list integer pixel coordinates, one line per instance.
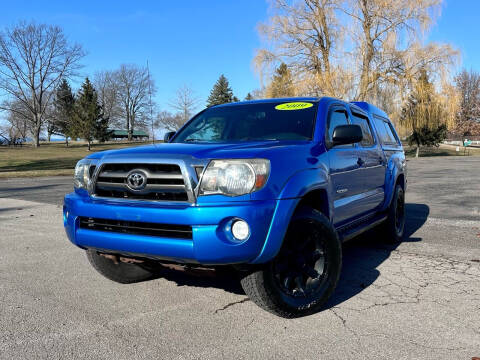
(443, 150)
(36, 173)
(49, 159)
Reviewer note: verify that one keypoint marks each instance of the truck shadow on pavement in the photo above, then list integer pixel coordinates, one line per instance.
(361, 257)
(226, 279)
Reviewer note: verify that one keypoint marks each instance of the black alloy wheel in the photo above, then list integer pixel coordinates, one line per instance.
(305, 272)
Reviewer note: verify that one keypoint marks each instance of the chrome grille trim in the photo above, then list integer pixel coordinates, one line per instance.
(187, 179)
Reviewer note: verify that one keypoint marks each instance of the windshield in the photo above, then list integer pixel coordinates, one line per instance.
(250, 122)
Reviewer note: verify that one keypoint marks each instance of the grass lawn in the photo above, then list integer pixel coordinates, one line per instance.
(49, 159)
(442, 150)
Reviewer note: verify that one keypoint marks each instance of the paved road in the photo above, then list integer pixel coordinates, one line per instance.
(419, 300)
(47, 190)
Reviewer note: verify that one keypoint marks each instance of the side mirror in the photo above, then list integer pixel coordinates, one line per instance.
(347, 134)
(168, 136)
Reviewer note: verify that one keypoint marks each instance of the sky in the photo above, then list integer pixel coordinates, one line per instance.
(192, 42)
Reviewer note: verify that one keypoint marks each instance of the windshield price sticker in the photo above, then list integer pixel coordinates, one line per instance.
(294, 106)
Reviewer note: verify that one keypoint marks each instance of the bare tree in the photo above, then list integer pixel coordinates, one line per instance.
(133, 85)
(15, 128)
(468, 114)
(50, 121)
(353, 48)
(4, 135)
(303, 34)
(108, 95)
(33, 59)
(185, 102)
(387, 38)
(257, 94)
(18, 119)
(169, 121)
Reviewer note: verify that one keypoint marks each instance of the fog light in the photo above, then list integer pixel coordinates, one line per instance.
(240, 230)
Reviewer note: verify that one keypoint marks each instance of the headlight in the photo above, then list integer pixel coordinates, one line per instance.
(234, 177)
(82, 174)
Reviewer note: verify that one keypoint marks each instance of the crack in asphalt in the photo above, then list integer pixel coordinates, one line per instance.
(415, 279)
(232, 304)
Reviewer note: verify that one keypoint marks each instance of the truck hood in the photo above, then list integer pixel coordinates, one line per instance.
(200, 150)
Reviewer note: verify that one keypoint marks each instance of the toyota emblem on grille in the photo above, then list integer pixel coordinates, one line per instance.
(136, 180)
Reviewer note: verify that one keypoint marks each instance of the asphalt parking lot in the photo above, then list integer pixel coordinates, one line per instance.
(417, 300)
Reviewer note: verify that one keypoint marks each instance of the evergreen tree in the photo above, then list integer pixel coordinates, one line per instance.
(282, 83)
(63, 104)
(221, 92)
(424, 115)
(102, 133)
(88, 118)
(248, 97)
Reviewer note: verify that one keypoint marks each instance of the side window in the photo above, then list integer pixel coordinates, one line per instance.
(363, 122)
(336, 117)
(385, 132)
(392, 133)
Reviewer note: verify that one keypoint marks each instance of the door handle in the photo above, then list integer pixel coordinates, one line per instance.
(360, 162)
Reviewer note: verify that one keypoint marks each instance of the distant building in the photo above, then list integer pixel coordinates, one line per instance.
(123, 134)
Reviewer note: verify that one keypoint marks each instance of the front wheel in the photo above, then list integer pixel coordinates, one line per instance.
(305, 272)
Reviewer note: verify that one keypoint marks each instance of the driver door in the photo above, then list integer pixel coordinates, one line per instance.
(344, 170)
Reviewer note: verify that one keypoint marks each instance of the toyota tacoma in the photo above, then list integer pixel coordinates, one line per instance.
(270, 188)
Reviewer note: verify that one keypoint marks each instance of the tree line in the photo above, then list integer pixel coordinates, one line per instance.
(36, 62)
(368, 50)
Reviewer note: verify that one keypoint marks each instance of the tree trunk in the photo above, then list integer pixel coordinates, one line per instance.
(130, 132)
(129, 135)
(368, 52)
(417, 151)
(66, 141)
(88, 142)
(36, 137)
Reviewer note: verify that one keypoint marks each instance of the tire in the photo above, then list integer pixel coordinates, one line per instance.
(287, 286)
(394, 227)
(120, 272)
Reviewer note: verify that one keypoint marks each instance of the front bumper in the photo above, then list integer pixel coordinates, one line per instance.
(210, 245)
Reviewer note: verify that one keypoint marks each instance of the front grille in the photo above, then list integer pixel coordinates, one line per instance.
(137, 228)
(164, 182)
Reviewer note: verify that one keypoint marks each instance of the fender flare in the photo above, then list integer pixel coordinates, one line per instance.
(395, 168)
(298, 185)
(304, 181)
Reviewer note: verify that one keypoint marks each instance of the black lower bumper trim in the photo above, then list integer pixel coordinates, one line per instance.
(137, 228)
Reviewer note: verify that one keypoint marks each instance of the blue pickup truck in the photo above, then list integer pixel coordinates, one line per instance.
(270, 188)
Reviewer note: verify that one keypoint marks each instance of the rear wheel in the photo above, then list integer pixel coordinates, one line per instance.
(119, 271)
(304, 274)
(394, 227)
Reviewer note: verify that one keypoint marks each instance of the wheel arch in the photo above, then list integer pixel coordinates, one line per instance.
(316, 199)
(400, 180)
(395, 174)
(309, 188)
